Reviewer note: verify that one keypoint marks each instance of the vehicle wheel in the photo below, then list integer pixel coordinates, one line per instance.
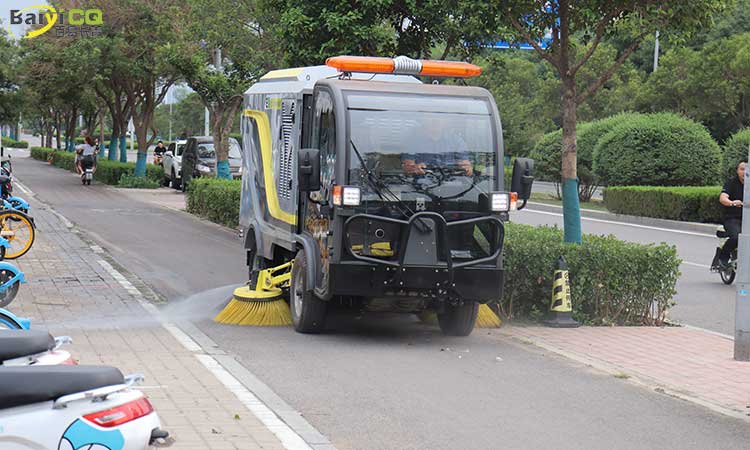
(308, 311)
(175, 181)
(8, 296)
(165, 182)
(7, 322)
(727, 275)
(18, 229)
(88, 182)
(458, 320)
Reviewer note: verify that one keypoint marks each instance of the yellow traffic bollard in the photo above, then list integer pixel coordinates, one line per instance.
(561, 307)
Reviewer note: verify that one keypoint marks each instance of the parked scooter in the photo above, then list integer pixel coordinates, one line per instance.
(729, 271)
(33, 347)
(91, 407)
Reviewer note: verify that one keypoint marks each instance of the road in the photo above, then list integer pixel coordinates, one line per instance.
(370, 383)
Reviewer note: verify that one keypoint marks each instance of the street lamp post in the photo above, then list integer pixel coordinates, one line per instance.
(742, 301)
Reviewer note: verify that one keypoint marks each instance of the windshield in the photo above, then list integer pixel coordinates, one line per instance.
(435, 153)
(206, 150)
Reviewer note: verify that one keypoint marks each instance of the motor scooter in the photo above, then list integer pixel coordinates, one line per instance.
(88, 167)
(33, 347)
(80, 407)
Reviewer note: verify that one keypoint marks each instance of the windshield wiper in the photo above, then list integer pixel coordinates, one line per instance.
(378, 186)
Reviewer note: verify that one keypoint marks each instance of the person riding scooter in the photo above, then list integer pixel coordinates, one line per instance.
(87, 153)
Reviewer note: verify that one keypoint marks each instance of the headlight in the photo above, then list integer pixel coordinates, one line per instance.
(346, 195)
(500, 202)
(202, 168)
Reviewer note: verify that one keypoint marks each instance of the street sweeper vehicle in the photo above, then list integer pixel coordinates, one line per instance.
(364, 186)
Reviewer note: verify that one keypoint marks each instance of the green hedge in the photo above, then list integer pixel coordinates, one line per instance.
(686, 203)
(8, 142)
(107, 172)
(735, 151)
(657, 150)
(612, 282)
(216, 200)
(548, 153)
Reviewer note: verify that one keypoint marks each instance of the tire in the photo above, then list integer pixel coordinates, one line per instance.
(175, 181)
(727, 275)
(19, 230)
(7, 322)
(308, 311)
(165, 182)
(8, 296)
(458, 320)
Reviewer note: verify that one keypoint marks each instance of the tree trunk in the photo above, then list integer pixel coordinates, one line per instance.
(571, 207)
(141, 134)
(112, 155)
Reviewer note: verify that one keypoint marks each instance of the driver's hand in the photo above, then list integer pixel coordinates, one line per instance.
(737, 203)
(466, 166)
(411, 167)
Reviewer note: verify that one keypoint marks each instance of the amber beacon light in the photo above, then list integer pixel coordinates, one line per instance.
(403, 65)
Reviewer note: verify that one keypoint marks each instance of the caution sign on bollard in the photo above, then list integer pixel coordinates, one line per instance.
(561, 307)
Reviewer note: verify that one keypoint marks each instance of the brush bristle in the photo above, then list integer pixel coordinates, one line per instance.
(486, 318)
(260, 314)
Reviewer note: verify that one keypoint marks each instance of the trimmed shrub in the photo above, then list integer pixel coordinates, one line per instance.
(41, 153)
(216, 200)
(657, 150)
(12, 143)
(548, 153)
(612, 281)
(735, 151)
(132, 182)
(686, 203)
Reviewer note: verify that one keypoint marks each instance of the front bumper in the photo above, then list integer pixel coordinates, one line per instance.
(424, 256)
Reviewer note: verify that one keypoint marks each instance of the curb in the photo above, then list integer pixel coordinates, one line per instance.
(704, 228)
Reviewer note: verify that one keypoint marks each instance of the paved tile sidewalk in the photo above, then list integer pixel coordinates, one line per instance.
(71, 291)
(685, 361)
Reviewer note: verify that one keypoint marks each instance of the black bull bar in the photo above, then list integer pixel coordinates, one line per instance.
(413, 246)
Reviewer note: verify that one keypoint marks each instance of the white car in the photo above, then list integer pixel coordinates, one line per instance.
(173, 164)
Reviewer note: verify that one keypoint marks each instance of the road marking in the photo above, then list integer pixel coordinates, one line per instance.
(702, 266)
(23, 188)
(288, 437)
(648, 227)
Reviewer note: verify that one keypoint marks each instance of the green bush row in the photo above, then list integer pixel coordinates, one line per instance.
(107, 172)
(612, 281)
(12, 143)
(687, 203)
(216, 200)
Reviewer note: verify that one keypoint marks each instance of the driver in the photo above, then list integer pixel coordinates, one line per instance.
(731, 198)
(447, 149)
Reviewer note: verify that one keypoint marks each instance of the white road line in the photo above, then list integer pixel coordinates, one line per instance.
(23, 188)
(648, 227)
(702, 266)
(289, 439)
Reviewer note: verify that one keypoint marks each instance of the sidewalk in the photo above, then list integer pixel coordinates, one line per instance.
(685, 362)
(75, 289)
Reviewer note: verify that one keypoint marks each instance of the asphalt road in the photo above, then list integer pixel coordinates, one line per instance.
(375, 383)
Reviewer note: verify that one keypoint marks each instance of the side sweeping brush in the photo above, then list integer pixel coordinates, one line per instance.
(262, 306)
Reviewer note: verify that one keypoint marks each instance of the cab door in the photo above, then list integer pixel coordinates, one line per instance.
(316, 210)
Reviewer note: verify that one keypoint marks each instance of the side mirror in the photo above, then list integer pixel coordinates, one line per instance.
(168, 153)
(308, 170)
(522, 179)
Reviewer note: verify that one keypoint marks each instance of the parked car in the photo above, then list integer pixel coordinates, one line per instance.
(172, 164)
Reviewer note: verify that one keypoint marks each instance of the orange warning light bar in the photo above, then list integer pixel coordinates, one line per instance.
(404, 66)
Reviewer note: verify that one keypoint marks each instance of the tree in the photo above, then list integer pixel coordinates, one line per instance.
(219, 53)
(587, 24)
(187, 117)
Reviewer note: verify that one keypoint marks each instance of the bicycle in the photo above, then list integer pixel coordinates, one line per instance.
(729, 271)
